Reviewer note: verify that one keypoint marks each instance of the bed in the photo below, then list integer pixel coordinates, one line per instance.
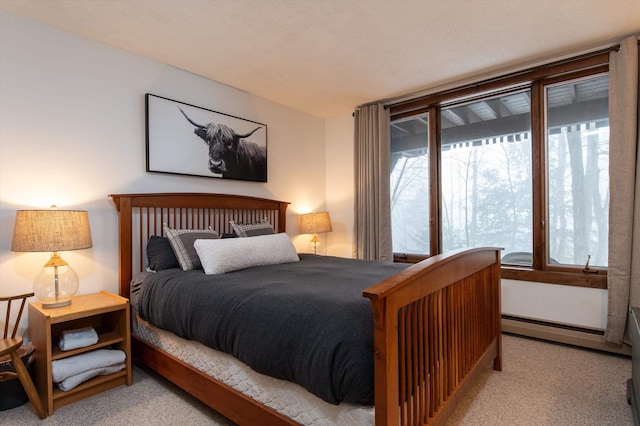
(436, 324)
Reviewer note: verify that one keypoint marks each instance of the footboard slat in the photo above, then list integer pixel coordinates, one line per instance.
(435, 325)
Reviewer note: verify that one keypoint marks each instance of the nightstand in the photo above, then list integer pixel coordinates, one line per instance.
(108, 314)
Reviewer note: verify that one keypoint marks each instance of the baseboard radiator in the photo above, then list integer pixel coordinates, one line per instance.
(561, 333)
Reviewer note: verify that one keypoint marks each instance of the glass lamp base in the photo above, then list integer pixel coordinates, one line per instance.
(56, 283)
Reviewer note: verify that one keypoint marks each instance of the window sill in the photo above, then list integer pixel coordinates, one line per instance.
(578, 279)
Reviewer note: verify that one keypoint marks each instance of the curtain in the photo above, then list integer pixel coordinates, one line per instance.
(623, 276)
(372, 218)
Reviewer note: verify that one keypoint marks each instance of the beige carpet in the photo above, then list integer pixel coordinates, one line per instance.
(549, 384)
(541, 384)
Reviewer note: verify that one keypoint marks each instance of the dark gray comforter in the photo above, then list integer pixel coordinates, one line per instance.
(306, 322)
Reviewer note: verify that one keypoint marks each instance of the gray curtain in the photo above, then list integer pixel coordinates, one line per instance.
(623, 276)
(372, 218)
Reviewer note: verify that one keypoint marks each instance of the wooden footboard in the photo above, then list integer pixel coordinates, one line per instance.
(436, 325)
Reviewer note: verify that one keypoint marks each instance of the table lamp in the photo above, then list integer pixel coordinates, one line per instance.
(313, 223)
(52, 230)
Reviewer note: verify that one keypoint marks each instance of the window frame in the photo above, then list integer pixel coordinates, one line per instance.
(535, 79)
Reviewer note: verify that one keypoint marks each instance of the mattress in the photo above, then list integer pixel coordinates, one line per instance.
(282, 396)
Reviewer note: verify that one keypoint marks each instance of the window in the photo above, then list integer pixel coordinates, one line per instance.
(520, 163)
(577, 165)
(409, 184)
(486, 174)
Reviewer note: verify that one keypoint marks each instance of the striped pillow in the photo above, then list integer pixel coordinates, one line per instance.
(182, 243)
(252, 230)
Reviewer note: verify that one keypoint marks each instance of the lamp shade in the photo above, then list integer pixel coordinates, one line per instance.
(51, 230)
(312, 223)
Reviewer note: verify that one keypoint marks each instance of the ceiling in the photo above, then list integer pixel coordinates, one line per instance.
(325, 57)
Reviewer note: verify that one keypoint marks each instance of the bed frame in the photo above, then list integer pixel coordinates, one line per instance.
(437, 323)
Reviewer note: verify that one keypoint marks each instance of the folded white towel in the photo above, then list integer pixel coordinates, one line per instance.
(67, 367)
(73, 381)
(78, 338)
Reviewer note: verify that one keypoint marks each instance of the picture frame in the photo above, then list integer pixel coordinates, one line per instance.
(185, 139)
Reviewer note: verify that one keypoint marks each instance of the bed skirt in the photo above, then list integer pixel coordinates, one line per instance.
(282, 396)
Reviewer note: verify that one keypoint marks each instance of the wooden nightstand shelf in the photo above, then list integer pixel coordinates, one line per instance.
(108, 314)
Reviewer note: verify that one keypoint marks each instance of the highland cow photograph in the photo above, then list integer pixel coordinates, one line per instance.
(189, 140)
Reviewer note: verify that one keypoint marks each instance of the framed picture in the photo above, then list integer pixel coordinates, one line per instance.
(188, 140)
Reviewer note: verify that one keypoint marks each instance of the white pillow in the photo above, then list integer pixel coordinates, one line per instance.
(232, 254)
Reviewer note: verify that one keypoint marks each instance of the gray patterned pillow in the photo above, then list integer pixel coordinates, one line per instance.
(252, 230)
(182, 243)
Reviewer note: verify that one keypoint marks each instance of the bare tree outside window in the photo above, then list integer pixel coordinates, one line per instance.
(486, 194)
(578, 171)
(410, 186)
(486, 174)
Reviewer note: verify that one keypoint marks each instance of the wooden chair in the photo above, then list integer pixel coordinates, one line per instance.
(9, 344)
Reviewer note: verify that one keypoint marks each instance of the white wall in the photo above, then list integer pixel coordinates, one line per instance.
(72, 131)
(340, 186)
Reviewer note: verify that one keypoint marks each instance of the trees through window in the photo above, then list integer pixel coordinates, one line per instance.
(525, 168)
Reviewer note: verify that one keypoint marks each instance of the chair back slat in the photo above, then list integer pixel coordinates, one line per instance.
(22, 300)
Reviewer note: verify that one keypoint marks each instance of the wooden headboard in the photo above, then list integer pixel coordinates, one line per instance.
(143, 215)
